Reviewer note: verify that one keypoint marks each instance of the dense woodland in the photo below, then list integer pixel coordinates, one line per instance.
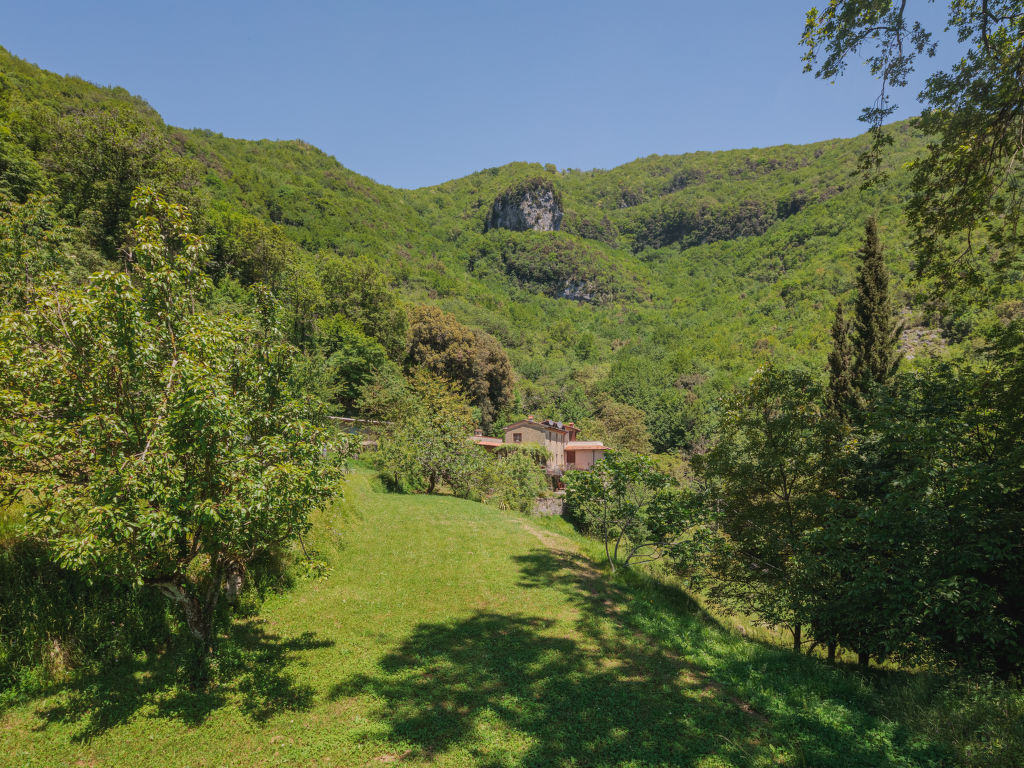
(814, 386)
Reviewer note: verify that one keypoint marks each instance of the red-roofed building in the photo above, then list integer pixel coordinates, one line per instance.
(490, 443)
(564, 450)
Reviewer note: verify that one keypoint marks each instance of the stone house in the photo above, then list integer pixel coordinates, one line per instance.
(564, 450)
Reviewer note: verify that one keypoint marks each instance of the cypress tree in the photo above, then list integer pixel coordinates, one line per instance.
(876, 331)
(865, 354)
(841, 397)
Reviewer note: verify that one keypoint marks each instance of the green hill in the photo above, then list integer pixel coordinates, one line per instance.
(670, 278)
(451, 634)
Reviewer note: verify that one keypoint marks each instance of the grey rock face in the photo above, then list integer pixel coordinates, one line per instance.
(536, 208)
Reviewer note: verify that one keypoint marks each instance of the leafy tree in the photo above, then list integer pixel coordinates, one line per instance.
(472, 359)
(762, 479)
(635, 509)
(924, 540)
(99, 158)
(20, 173)
(248, 249)
(148, 439)
(876, 331)
(355, 288)
(859, 370)
(620, 425)
(33, 241)
(425, 432)
(965, 200)
(352, 357)
(516, 478)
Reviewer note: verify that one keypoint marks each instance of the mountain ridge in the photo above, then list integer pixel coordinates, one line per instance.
(694, 267)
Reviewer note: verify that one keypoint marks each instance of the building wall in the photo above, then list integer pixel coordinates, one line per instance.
(555, 444)
(585, 459)
(552, 439)
(531, 433)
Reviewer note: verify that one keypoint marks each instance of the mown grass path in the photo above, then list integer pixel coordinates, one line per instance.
(449, 633)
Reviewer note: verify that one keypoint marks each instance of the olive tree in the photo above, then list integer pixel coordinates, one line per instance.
(149, 439)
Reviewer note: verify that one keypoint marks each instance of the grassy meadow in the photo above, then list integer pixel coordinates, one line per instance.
(449, 633)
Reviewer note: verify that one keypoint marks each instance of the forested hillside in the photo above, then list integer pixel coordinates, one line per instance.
(669, 278)
(803, 365)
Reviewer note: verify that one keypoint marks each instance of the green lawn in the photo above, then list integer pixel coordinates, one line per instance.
(449, 633)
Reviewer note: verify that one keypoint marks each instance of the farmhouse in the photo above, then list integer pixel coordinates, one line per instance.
(564, 450)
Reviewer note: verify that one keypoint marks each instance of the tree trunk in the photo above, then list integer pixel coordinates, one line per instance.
(796, 637)
(432, 484)
(198, 613)
(193, 611)
(607, 553)
(863, 659)
(832, 652)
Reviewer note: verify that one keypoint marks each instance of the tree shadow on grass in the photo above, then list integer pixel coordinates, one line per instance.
(509, 689)
(515, 689)
(821, 714)
(250, 667)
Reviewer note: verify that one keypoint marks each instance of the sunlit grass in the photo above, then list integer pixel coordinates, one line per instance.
(449, 633)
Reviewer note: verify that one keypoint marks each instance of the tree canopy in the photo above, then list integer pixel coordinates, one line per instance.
(149, 439)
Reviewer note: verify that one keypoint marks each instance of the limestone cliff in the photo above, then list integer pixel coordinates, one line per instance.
(533, 204)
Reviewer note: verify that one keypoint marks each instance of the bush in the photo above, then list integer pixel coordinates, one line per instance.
(53, 620)
(516, 481)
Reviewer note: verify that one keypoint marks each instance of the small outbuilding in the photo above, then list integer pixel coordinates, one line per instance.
(583, 454)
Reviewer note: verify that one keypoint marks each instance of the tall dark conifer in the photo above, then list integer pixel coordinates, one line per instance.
(841, 397)
(876, 331)
(865, 354)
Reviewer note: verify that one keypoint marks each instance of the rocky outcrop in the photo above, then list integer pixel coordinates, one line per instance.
(532, 204)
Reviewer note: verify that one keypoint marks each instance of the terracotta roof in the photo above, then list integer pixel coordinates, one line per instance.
(550, 424)
(585, 445)
(491, 441)
(541, 424)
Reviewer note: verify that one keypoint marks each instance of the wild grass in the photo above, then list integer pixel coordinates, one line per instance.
(449, 633)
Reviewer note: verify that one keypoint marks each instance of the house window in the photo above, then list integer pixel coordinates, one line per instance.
(570, 457)
(517, 437)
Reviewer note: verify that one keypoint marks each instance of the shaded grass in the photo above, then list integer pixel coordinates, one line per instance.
(449, 633)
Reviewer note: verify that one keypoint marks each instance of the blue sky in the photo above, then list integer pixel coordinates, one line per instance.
(415, 93)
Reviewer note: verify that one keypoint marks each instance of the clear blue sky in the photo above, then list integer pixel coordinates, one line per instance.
(415, 93)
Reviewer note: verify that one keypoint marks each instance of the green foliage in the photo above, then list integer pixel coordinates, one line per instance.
(471, 359)
(352, 357)
(516, 479)
(100, 157)
(965, 202)
(557, 265)
(424, 434)
(621, 425)
(633, 508)
(33, 242)
(918, 541)
(356, 289)
(876, 332)
(841, 397)
(20, 173)
(762, 480)
(55, 621)
(148, 439)
(248, 249)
